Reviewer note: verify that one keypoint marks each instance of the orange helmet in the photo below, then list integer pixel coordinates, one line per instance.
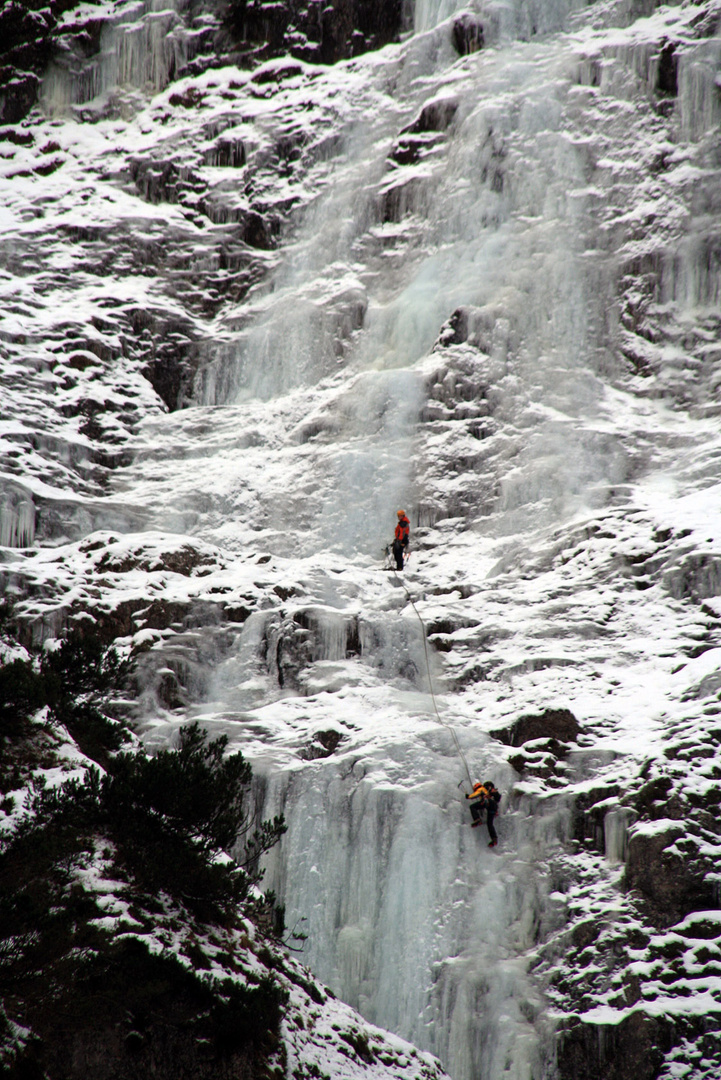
(401, 513)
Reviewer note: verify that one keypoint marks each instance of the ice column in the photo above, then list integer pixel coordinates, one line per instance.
(521, 19)
(410, 917)
(142, 45)
(698, 90)
(17, 518)
(615, 833)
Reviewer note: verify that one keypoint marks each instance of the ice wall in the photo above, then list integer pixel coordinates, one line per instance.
(517, 20)
(510, 215)
(698, 89)
(495, 218)
(410, 917)
(142, 44)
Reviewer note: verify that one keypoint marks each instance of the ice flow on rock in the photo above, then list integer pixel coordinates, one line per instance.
(484, 287)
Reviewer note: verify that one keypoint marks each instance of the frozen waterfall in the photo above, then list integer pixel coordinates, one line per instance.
(409, 918)
(490, 297)
(141, 47)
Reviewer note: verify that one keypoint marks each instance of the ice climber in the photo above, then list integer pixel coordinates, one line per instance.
(402, 539)
(485, 796)
(493, 797)
(478, 797)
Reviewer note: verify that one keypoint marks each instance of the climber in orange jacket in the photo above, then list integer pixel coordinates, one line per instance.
(485, 796)
(402, 539)
(478, 797)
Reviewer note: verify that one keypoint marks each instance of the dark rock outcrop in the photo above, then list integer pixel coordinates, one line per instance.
(589, 813)
(664, 867)
(312, 32)
(456, 329)
(323, 745)
(696, 576)
(557, 724)
(468, 35)
(25, 47)
(436, 115)
(18, 95)
(401, 199)
(210, 33)
(473, 325)
(667, 73)
(633, 1049)
(421, 138)
(544, 738)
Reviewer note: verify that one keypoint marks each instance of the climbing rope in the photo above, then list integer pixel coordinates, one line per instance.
(430, 678)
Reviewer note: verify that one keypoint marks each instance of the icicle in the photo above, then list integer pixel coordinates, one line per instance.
(17, 519)
(615, 832)
(142, 47)
(698, 91)
(331, 635)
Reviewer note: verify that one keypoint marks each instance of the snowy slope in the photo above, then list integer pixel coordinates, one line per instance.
(482, 287)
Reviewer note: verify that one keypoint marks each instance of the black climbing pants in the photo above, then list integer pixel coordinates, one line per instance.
(398, 554)
(491, 827)
(476, 811)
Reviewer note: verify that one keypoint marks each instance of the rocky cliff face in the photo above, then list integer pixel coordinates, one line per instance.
(252, 304)
(91, 48)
